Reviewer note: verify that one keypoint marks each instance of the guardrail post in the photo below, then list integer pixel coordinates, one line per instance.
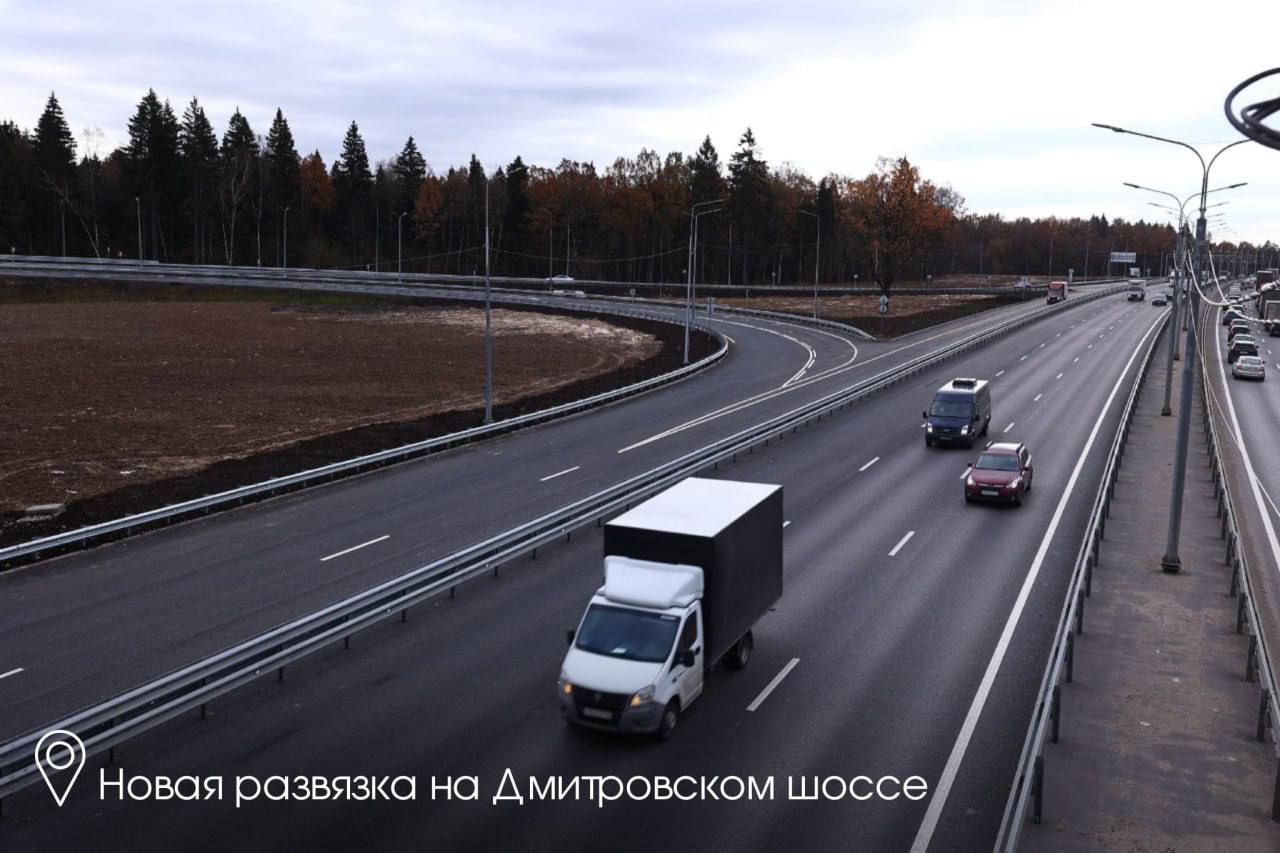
(1088, 576)
(1240, 605)
(1235, 578)
(1071, 658)
(1037, 789)
(1055, 710)
(1251, 658)
(1080, 611)
(1263, 704)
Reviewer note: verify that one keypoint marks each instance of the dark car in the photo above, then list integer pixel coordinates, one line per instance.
(1231, 314)
(1242, 345)
(1003, 472)
(1159, 300)
(1237, 327)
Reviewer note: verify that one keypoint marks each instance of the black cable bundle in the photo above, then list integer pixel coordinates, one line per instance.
(1250, 120)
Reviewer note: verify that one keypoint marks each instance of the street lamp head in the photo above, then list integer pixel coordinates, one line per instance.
(1234, 186)
(1135, 186)
(1109, 127)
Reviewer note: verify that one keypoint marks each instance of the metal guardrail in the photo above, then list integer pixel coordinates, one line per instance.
(326, 473)
(800, 288)
(109, 723)
(1259, 665)
(1028, 787)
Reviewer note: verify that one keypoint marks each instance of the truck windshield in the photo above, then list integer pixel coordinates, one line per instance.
(631, 634)
(950, 409)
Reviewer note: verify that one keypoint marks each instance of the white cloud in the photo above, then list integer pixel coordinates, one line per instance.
(992, 96)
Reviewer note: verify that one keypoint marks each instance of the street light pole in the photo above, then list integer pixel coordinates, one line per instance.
(286, 241)
(816, 259)
(400, 249)
(1171, 562)
(693, 249)
(488, 309)
(1167, 409)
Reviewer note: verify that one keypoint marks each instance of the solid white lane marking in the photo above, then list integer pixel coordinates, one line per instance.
(903, 541)
(999, 373)
(869, 464)
(772, 685)
(939, 799)
(1059, 376)
(1010, 426)
(559, 474)
(12, 672)
(1038, 396)
(355, 548)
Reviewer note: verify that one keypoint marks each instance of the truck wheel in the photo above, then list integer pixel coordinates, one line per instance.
(670, 717)
(741, 652)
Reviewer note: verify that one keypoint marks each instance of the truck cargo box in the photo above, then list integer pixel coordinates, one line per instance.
(729, 529)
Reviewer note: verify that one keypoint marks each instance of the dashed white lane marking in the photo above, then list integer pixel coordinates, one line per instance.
(11, 672)
(1042, 346)
(1024, 358)
(785, 523)
(1074, 360)
(903, 541)
(1010, 426)
(772, 685)
(1059, 376)
(1038, 396)
(355, 548)
(559, 474)
(869, 464)
(999, 373)
(1090, 346)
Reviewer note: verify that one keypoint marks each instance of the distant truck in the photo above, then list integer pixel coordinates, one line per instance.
(1137, 291)
(1057, 292)
(1264, 277)
(1269, 311)
(687, 574)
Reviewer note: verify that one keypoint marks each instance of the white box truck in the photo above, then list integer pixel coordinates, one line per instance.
(687, 574)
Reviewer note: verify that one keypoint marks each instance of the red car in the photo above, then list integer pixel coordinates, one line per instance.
(1002, 473)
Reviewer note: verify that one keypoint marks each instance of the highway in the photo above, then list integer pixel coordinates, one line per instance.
(913, 630)
(145, 606)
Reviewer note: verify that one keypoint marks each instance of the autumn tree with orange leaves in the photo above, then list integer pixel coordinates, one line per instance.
(901, 217)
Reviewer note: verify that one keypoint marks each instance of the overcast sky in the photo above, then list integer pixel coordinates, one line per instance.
(994, 98)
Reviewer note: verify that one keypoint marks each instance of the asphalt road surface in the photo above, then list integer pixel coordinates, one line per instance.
(918, 625)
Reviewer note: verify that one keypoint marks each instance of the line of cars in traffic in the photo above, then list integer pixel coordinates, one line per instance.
(1242, 346)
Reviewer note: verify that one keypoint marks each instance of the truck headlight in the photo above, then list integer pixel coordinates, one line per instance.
(643, 695)
(928, 428)
(566, 687)
(964, 430)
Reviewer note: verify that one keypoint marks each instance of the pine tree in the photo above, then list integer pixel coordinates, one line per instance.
(750, 199)
(152, 166)
(515, 220)
(54, 146)
(410, 170)
(237, 162)
(353, 186)
(198, 147)
(17, 168)
(283, 174)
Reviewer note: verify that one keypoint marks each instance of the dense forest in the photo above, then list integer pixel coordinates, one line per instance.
(177, 192)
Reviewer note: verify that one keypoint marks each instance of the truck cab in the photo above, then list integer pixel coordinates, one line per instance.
(1057, 292)
(639, 646)
(1137, 290)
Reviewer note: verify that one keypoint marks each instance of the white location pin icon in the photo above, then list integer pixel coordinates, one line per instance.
(59, 751)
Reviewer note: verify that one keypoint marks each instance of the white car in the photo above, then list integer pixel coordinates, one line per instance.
(560, 279)
(1249, 367)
